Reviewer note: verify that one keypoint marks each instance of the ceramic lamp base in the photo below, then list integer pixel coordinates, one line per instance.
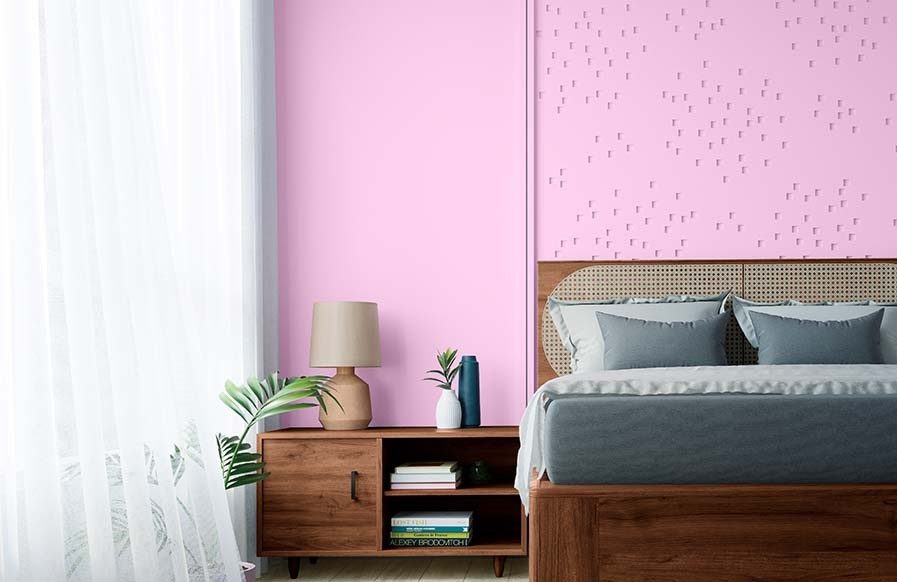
(354, 395)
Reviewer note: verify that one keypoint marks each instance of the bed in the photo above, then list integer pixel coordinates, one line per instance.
(742, 472)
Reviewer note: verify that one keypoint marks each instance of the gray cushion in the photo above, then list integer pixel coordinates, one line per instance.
(580, 334)
(785, 340)
(638, 343)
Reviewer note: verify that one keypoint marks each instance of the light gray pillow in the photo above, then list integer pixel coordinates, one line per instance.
(581, 335)
(639, 343)
(785, 340)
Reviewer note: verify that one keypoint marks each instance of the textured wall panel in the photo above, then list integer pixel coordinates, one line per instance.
(712, 128)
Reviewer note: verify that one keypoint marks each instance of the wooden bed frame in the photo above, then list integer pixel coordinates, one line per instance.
(698, 533)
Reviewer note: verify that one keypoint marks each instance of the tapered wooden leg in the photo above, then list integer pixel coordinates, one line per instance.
(498, 565)
(293, 566)
(313, 560)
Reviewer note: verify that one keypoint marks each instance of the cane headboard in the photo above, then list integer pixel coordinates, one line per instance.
(775, 280)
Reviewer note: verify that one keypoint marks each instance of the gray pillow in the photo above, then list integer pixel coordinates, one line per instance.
(638, 343)
(785, 340)
(580, 332)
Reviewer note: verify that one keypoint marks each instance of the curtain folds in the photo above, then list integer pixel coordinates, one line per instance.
(131, 215)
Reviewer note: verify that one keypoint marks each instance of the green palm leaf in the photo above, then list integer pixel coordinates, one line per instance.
(287, 408)
(233, 406)
(255, 401)
(238, 396)
(248, 480)
(257, 390)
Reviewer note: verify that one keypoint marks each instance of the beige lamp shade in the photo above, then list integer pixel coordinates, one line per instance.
(345, 334)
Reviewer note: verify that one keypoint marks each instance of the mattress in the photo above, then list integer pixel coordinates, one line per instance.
(807, 381)
(735, 438)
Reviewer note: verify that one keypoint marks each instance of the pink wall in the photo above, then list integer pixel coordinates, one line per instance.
(402, 180)
(716, 129)
(708, 129)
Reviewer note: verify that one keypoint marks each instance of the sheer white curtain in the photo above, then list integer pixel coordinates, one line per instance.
(129, 283)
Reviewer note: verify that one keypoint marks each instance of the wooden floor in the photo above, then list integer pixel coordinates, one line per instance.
(395, 569)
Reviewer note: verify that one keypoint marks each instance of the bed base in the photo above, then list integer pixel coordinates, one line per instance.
(704, 533)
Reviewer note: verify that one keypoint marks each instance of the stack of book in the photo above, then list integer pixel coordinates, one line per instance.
(432, 528)
(438, 475)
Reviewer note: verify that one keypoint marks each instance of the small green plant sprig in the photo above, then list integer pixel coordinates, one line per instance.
(448, 370)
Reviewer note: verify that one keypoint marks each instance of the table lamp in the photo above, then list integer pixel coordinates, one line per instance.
(345, 335)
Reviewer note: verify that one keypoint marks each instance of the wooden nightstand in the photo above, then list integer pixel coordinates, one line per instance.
(328, 493)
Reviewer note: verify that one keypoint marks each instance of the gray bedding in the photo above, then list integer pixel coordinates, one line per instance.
(721, 438)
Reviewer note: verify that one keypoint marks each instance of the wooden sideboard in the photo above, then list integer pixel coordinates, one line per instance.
(328, 492)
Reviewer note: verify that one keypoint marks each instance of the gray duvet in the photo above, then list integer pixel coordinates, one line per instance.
(736, 438)
(703, 439)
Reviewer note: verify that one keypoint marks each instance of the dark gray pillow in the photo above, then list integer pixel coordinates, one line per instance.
(638, 343)
(786, 340)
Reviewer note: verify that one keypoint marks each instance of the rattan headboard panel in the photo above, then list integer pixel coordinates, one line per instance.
(813, 282)
(841, 280)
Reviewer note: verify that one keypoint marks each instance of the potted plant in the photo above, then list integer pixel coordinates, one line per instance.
(448, 409)
(252, 402)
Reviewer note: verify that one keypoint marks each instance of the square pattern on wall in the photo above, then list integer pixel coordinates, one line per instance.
(716, 128)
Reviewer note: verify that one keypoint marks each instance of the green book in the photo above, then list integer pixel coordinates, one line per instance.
(430, 528)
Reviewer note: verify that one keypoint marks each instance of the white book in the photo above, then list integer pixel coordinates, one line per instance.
(434, 467)
(425, 477)
(432, 518)
(452, 485)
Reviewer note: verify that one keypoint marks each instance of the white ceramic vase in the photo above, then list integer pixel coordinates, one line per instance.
(448, 411)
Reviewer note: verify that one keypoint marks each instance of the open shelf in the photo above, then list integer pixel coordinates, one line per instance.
(491, 489)
(499, 525)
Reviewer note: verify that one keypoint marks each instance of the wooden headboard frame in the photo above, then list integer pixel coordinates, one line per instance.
(760, 280)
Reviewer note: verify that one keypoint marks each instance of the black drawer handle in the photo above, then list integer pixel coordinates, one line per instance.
(353, 485)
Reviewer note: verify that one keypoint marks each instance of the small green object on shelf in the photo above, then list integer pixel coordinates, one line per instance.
(478, 473)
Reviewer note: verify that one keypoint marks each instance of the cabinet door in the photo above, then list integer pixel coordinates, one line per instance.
(309, 502)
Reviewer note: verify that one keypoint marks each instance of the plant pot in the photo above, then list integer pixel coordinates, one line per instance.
(448, 411)
(248, 569)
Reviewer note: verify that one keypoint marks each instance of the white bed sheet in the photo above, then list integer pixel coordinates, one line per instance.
(796, 379)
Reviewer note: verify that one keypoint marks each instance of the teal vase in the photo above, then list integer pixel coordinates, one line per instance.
(469, 391)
